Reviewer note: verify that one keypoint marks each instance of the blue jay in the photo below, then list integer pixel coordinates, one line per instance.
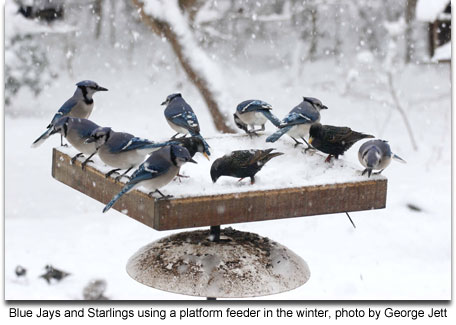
(182, 119)
(254, 112)
(121, 150)
(376, 155)
(79, 105)
(297, 123)
(157, 171)
(77, 131)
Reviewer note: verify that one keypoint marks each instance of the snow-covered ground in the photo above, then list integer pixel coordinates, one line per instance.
(394, 253)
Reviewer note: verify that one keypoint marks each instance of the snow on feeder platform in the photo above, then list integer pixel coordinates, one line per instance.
(228, 263)
(292, 185)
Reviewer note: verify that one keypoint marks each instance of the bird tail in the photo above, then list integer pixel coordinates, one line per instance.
(42, 138)
(277, 134)
(206, 145)
(368, 170)
(397, 158)
(271, 117)
(151, 147)
(127, 188)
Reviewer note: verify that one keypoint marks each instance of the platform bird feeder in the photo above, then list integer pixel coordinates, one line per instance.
(226, 263)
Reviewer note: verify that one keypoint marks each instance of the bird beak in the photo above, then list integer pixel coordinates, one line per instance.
(324, 107)
(310, 140)
(102, 89)
(164, 103)
(192, 161)
(207, 156)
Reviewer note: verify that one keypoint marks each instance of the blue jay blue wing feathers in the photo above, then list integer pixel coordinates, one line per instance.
(145, 172)
(118, 141)
(296, 116)
(137, 143)
(187, 120)
(253, 105)
(64, 110)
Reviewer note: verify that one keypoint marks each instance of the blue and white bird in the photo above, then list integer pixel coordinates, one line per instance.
(77, 131)
(121, 150)
(79, 105)
(376, 155)
(254, 112)
(298, 122)
(157, 171)
(182, 119)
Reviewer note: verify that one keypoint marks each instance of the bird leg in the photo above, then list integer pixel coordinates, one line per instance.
(240, 179)
(297, 142)
(111, 172)
(123, 175)
(61, 141)
(174, 136)
(328, 159)
(179, 176)
(163, 196)
(85, 162)
(308, 145)
(252, 180)
(378, 173)
(76, 157)
(254, 132)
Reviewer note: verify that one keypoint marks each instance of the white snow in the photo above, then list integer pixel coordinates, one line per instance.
(428, 10)
(442, 53)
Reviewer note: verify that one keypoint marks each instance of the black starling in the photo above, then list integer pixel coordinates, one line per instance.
(20, 271)
(193, 145)
(53, 273)
(242, 163)
(333, 140)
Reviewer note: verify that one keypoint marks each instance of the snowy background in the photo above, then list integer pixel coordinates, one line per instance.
(268, 50)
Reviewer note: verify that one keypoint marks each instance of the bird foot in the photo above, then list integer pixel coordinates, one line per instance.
(64, 145)
(114, 171)
(164, 197)
(328, 159)
(118, 178)
(179, 177)
(85, 163)
(312, 149)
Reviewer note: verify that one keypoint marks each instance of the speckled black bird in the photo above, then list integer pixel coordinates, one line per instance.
(242, 163)
(53, 273)
(334, 140)
(193, 145)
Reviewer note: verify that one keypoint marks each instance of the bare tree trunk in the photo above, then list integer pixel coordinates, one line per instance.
(164, 29)
(98, 11)
(313, 34)
(409, 18)
(112, 23)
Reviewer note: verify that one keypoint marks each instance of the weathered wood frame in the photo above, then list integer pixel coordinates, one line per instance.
(199, 211)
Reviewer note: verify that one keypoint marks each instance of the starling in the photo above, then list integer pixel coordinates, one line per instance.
(333, 140)
(193, 145)
(242, 163)
(53, 273)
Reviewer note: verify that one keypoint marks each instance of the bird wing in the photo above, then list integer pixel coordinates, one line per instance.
(118, 141)
(187, 120)
(253, 105)
(149, 170)
(294, 118)
(135, 143)
(335, 134)
(65, 109)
